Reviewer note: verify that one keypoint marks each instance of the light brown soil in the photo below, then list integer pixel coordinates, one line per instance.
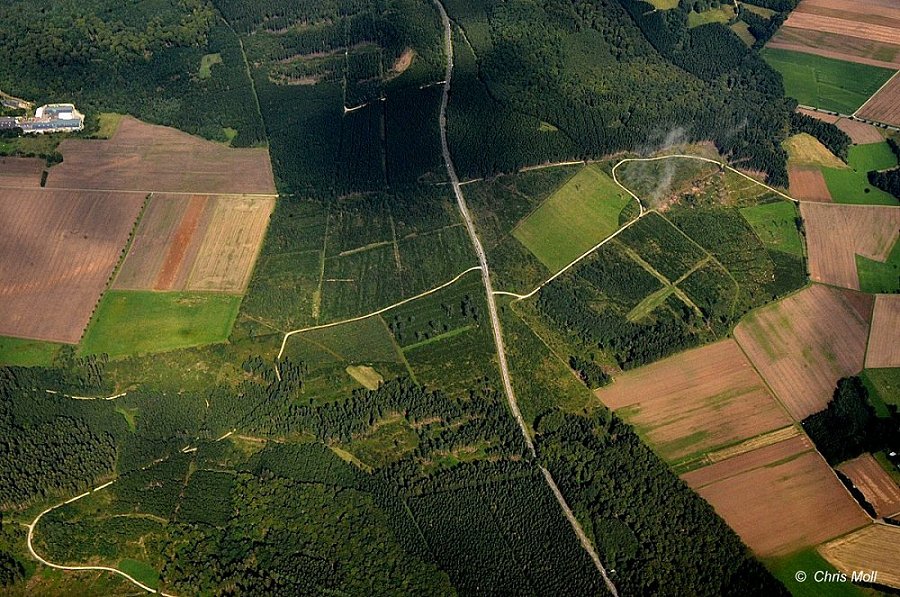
(874, 483)
(871, 548)
(884, 106)
(778, 503)
(403, 62)
(851, 28)
(819, 115)
(884, 339)
(177, 249)
(803, 345)
(196, 243)
(808, 184)
(848, 12)
(145, 157)
(747, 461)
(860, 132)
(835, 234)
(696, 401)
(57, 252)
(839, 47)
(21, 172)
(885, 8)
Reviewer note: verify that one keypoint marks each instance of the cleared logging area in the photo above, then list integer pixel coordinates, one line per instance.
(779, 498)
(884, 348)
(879, 489)
(21, 172)
(696, 401)
(803, 345)
(871, 548)
(147, 157)
(57, 252)
(199, 242)
(835, 234)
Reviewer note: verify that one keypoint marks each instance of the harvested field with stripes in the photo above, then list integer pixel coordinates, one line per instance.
(21, 172)
(695, 402)
(884, 347)
(803, 345)
(835, 234)
(147, 157)
(871, 548)
(779, 498)
(874, 483)
(884, 106)
(57, 252)
(196, 242)
(808, 184)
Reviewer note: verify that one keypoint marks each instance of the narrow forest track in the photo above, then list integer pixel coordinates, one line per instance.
(492, 304)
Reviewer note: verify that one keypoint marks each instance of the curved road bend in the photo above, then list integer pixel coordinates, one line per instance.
(492, 305)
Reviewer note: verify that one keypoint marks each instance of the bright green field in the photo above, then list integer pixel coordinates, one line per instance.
(852, 186)
(576, 217)
(877, 276)
(871, 156)
(885, 382)
(129, 323)
(141, 571)
(775, 225)
(809, 561)
(825, 82)
(26, 353)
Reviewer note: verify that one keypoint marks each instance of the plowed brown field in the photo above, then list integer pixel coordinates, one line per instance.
(196, 243)
(875, 484)
(860, 132)
(696, 401)
(57, 252)
(884, 339)
(808, 184)
(803, 345)
(846, 24)
(21, 172)
(145, 157)
(884, 106)
(835, 234)
(871, 548)
(780, 498)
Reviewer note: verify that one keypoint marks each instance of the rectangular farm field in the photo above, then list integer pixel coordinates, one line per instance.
(59, 249)
(21, 172)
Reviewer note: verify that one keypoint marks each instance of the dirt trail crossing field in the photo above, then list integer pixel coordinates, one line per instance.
(803, 345)
(57, 252)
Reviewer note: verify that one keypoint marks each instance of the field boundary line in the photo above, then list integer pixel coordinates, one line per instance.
(274, 195)
(373, 313)
(30, 539)
(877, 91)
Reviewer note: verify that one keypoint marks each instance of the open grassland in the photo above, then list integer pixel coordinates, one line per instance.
(884, 348)
(884, 106)
(664, 4)
(26, 353)
(836, 234)
(852, 185)
(722, 14)
(779, 498)
(584, 211)
(146, 157)
(880, 276)
(695, 402)
(874, 483)
(803, 345)
(871, 548)
(825, 82)
(207, 61)
(21, 172)
(128, 323)
(776, 226)
(199, 242)
(805, 150)
(57, 252)
(785, 569)
(808, 184)
(885, 383)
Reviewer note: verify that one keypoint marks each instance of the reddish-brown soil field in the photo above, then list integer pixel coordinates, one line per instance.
(860, 8)
(871, 548)
(839, 47)
(820, 115)
(860, 132)
(847, 24)
(861, 302)
(196, 242)
(57, 252)
(874, 483)
(696, 401)
(748, 461)
(144, 157)
(808, 184)
(884, 339)
(835, 234)
(21, 172)
(803, 345)
(884, 106)
(778, 502)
